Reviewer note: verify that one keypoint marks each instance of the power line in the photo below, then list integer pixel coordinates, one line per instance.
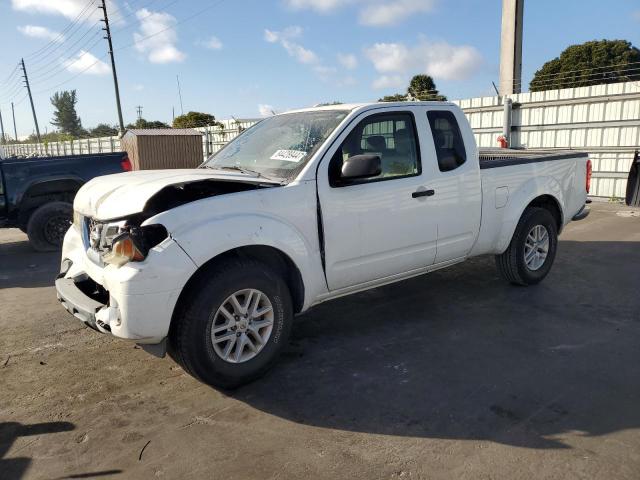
(72, 77)
(589, 69)
(596, 76)
(61, 35)
(56, 60)
(58, 69)
(185, 19)
(8, 78)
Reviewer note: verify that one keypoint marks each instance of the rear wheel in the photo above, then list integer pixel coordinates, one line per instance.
(532, 250)
(48, 224)
(233, 323)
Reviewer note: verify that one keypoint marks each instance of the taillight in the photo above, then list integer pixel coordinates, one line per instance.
(126, 164)
(588, 179)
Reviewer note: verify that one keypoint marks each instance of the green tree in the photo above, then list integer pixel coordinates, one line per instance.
(423, 88)
(195, 119)
(65, 116)
(396, 97)
(103, 130)
(141, 123)
(591, 63)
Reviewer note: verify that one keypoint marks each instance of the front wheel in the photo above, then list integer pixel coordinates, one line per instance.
(532, 250)
(232, 324)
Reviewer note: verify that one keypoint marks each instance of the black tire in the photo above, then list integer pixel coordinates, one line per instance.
(190, 342)
(511, 264)
(48, 224)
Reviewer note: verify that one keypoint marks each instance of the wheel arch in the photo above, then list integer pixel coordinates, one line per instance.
(550, 203)
(40, 192)
(278, 260)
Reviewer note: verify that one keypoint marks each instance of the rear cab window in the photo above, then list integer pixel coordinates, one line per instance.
(447, 138)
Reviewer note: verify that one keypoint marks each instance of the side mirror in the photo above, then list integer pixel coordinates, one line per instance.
(361, 166)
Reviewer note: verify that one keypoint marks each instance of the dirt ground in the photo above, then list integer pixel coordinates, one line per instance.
(450, 375)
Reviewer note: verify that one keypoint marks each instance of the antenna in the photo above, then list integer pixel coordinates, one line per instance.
(139, 111)
(180, 95)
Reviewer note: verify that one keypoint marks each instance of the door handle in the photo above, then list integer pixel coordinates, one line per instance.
(423, 193)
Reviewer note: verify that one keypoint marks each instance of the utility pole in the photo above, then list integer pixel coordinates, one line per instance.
(139, 111)
(15, 130)
(2, 139)
(33, 109)
(113, 64)
(511, 47)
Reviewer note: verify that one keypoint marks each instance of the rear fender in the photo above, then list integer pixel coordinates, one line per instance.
(520, 200)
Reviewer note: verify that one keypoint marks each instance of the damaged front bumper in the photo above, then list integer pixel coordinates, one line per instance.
(133, 302)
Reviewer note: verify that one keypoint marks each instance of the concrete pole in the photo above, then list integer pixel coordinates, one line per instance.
(511, 47)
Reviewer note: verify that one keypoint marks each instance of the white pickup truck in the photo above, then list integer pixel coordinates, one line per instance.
(213, 263)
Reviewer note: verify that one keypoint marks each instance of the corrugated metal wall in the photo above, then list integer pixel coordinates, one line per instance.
(603, 120)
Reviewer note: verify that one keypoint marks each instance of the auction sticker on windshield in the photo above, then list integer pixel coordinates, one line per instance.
(288, 155)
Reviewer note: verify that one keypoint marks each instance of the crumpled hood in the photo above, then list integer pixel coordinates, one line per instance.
(122, 194)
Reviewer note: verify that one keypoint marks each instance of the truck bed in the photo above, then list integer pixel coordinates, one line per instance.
(502, 157)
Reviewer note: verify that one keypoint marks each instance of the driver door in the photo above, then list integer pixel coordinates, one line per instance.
(382, 226)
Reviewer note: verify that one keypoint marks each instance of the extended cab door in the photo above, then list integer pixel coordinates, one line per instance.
(455, 176)
(385, 225)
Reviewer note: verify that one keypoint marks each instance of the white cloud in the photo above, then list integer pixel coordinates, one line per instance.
(373, 13)
(36, 31)
(86, 62)
(288, 39)
(321, 6)
(348, 60)
(138, 87)
(213, 43)
(294, 49)
(395, 61)
(68, 8)
(388, 81)
(160, 47)
(393, 12)
(265, 110)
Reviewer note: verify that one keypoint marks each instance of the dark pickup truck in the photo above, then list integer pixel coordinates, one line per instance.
(36, 194)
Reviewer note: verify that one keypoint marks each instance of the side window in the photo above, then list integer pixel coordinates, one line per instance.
(448, 140)
(391, 136)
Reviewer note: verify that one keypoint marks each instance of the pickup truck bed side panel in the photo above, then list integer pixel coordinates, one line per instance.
(508, 190)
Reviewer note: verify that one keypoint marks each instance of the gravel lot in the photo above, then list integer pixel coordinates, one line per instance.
(450, 375)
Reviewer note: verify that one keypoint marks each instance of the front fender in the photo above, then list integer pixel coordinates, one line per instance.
(207, 240)
(520, 200)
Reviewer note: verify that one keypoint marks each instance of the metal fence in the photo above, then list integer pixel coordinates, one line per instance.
(603, 120)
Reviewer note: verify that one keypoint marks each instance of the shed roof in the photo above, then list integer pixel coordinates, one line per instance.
(163, 131)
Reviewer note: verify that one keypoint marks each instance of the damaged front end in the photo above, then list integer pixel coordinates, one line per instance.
(122, 240)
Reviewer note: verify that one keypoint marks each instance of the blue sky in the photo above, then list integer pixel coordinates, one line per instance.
(242, 58)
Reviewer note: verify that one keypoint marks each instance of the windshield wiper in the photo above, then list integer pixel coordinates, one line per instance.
(243, 170)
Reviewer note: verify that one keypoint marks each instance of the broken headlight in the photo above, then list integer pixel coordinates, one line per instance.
(119, 243)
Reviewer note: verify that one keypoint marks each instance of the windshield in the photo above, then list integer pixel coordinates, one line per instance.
(280, 146)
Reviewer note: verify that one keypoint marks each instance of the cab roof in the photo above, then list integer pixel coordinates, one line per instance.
(363, 106)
